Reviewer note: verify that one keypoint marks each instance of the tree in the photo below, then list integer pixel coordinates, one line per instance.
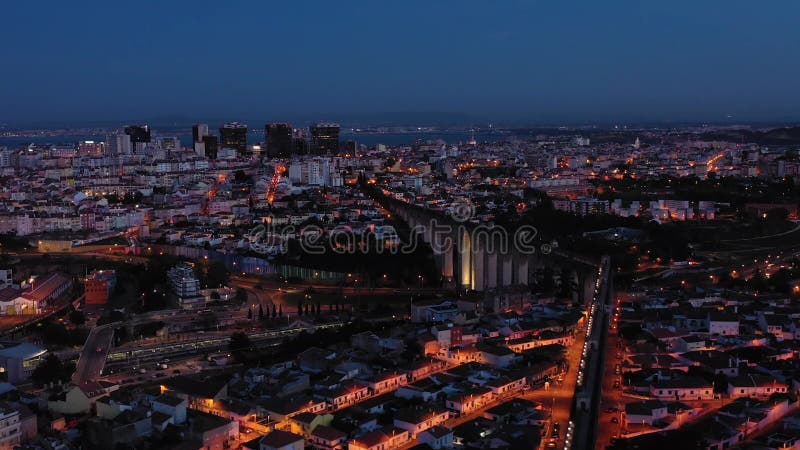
(299, 308)
(240, 176)
(77, 317)
(260, 312)
(239, 342)
(52, 370)
(274, 311)
(280, 310)
(250, 313)
(213, 274)
(54, 334)
(241, 295)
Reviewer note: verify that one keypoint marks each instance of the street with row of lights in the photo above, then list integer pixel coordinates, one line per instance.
(585, 354)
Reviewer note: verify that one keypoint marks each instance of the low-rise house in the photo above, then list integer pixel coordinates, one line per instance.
(682, 389)
(128, 427)
(347, 393)
(752, 415)
(379, 440)
(668, 337)
(386, 382)
(77, 399)
(416, 420)
(281, 440)
(516, 410)
(315, 360)
(496, 355)
(689, 343)
(503, 385)
(231, 408)
(327, 438)
(377, 404)
(654, 361)
(355, 421)
(723, 324)
(199, 391)
(755, 385)
(645, 412)
(305, 423)
(469, 400)
(161, 421)
(713, 361)
(434, 311)
(110, 406)
(280, 409)
(438, 437)
(425, 389)
(172, 406)
(465, 354)
(775, 324)
(212, 432)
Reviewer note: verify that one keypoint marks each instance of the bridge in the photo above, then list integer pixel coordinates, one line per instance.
(94, 354)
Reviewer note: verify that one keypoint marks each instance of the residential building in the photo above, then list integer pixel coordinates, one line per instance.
(281, 440)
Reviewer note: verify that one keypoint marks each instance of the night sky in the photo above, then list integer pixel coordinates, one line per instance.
(512, 61)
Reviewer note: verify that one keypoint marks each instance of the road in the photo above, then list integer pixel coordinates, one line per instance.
(590, 377)
(94, 354)
(611, 397)
(755, 238)
(538, 395)
(559, 396)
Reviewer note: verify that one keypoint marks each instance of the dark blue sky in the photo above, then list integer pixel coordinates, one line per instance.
(505, 61)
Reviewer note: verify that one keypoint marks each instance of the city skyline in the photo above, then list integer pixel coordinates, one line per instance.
(514, 63)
